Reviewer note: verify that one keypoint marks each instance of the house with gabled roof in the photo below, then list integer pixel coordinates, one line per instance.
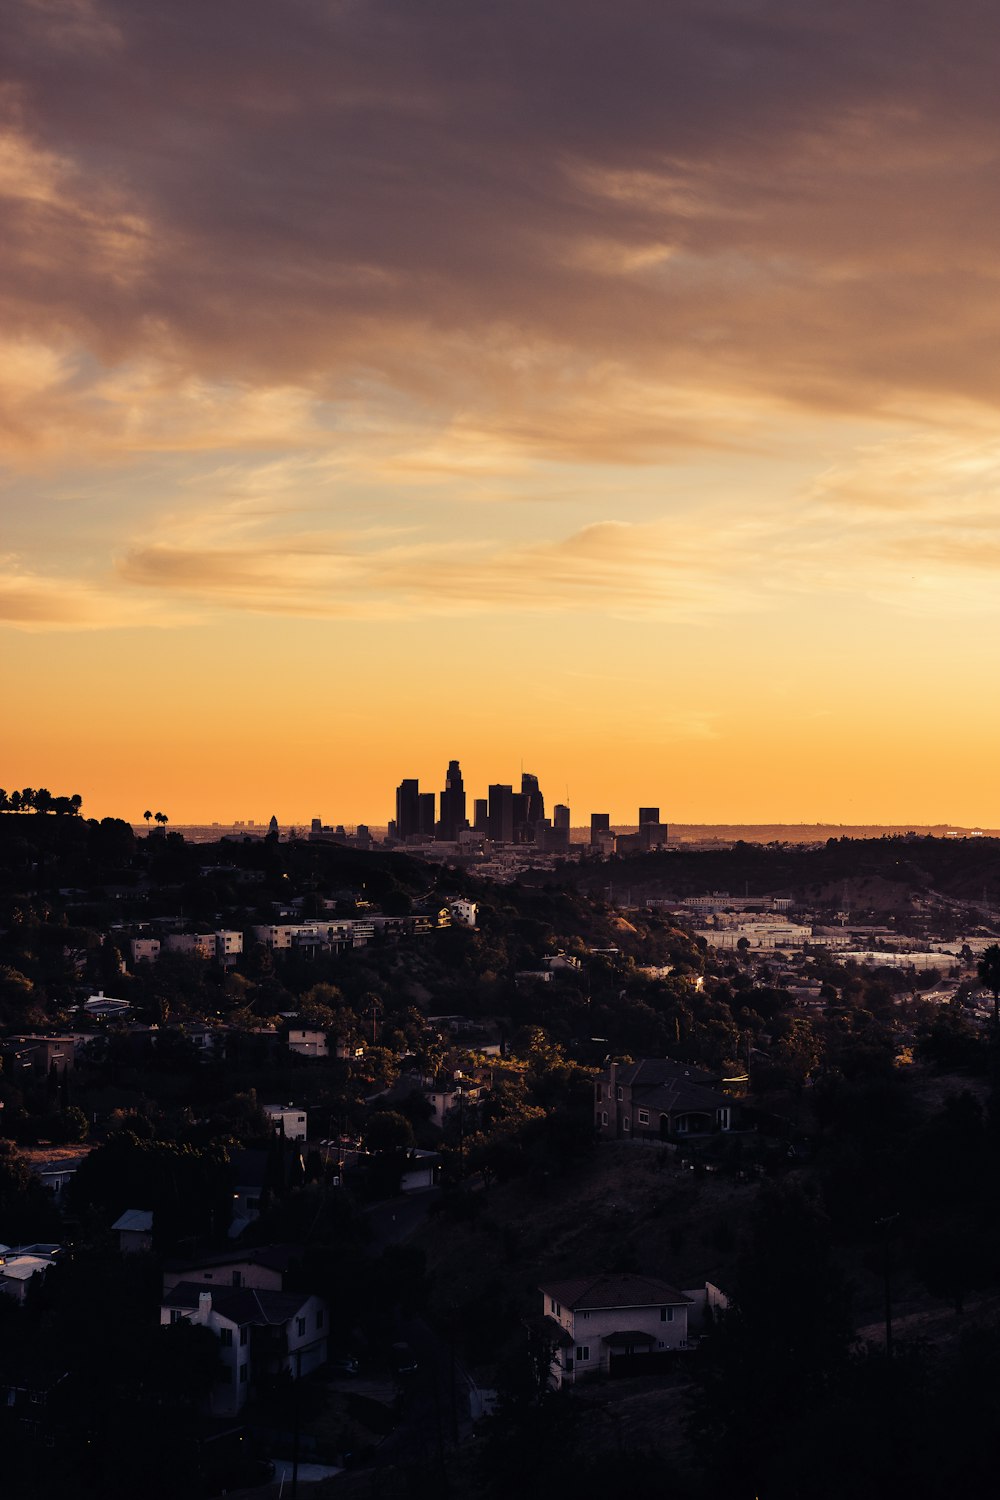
(596, 1322)
(260, 1267)
(260, 1334)
(657, 1098)
(134, 1229)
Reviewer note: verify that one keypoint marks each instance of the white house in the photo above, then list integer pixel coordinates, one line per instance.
(307, 1042)
(260, 1333)
(295, 1120)
(464, 912)
(228, 944)
(105, 1005)
(17, 1267)
(421, 1170)
(595, 1320)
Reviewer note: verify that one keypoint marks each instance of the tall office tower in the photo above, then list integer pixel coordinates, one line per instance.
(501, 814)
(407, 809)
(536, 802)
(652, 833)
(426, 802)
(599, 823)
(480, 815)
(522, 828)
(452, 803)
(558, 839)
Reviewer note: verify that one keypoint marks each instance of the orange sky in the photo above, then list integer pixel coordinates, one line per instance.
(610, 390)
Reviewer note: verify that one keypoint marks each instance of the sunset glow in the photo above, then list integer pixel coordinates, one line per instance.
(611, 389)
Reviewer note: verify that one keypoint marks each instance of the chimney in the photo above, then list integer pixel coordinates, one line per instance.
(204, 1307)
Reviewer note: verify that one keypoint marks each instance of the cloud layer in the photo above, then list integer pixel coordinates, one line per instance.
(476, 204)
(427, 257)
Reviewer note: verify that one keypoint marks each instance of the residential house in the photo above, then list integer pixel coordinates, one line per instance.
(17, 1266)
(657, 1098)
(56, 1172)
(263, 1268)
(422, 1170)
(307, 1041)
(134, 1230)
(601, 1324)
(39, 1054)
(288, 1118)
(260, 1333)
(102, 1006)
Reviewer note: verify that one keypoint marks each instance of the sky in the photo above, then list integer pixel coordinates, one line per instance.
(608, 390)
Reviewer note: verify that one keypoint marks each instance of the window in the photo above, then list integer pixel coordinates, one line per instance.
(243, 1336)
(627, 1123)
(300, 1326)
(175, 1315)
(644, 1117)
(621, 1092)
(243, 1374)
(585, 1315)
(604, 1117)
(666, 1315)
(583, 1353)
(226, 1338)
(237, 1278)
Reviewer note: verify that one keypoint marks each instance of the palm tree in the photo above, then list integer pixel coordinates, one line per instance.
(989, 975)
(162, 819)
(147, 815)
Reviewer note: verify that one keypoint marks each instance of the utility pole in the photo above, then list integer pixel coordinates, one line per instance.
(886, 1225)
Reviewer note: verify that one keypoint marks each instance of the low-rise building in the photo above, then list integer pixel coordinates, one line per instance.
(134, 1229)
(307, 1042)
(290, 1119)
(144, 950)
(656, 1098)
(260, 1333)
(597, 1322)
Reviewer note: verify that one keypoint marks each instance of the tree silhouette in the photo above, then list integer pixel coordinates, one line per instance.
(162, 819)
(989, 975)
(147, 815)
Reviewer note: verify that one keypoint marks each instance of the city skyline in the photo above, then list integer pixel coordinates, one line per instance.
(611, 387)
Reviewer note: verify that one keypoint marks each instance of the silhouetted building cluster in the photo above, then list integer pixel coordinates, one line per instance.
(506, 816)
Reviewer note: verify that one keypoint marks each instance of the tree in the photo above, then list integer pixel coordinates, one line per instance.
(162, 819)
(388, 1130)
(783, 1342)
(988, 969)
(147, 815)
